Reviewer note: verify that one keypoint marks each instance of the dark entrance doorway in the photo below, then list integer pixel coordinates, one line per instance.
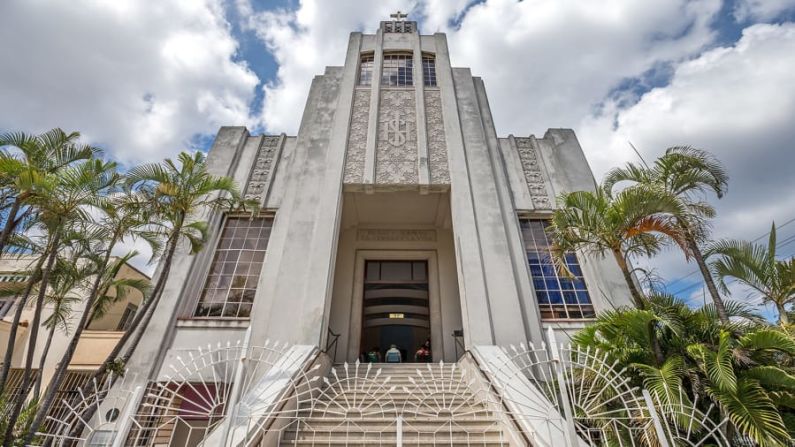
(395, 306)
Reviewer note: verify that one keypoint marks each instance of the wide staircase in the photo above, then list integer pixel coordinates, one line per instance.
(432, 407)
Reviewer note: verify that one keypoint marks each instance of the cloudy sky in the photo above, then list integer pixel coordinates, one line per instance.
(147, 79)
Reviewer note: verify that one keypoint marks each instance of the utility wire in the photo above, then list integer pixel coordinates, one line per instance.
(755, 240)
(784, 242)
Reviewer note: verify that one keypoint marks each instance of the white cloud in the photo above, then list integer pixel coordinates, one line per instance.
(305, 41)
(737, 102)
(563, 58)
(761, 9)
(140, 78)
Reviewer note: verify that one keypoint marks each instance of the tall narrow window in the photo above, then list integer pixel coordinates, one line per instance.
(429, 70)
(559, 296)
(397, 70)
(232, 282)
(366, 69)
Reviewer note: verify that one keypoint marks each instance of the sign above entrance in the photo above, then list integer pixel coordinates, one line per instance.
(396, 235)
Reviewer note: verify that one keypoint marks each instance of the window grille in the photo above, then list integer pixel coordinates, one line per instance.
(429, 70)
(397, 70)
(13, 387)
(559, 296)
(366, 70)
(67, 397)
(235, 269)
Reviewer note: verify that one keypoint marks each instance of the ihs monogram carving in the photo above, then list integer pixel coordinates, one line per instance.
(396, 129)
(262, 169)
(357, 137)
(536, 184)
(437, 146)
(396, 145)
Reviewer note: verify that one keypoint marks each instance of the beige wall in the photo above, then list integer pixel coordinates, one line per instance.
(93, 346)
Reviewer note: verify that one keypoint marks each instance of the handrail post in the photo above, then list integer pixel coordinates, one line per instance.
(658, 428)
(234, 395)
(570, 431)
(125, 420)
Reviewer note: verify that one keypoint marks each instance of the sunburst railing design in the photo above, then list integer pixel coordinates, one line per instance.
(194, 400)
(61, 427)
(688, 423)
(230, 395)
(593, 401)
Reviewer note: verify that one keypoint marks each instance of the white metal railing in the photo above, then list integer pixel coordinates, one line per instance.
(269, 395)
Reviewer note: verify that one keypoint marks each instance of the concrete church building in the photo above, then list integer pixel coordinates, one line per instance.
(394, 216)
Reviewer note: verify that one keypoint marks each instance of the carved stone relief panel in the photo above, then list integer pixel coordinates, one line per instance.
(536, 183)
(263, 168)
(396, 145)
(357, 137)
(437, 145)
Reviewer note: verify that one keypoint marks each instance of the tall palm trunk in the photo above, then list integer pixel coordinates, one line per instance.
(10, 223)
(34, 333)
(783, 318)
(60, 372)
(720, 307)
(137, 327)
(640, 303)
(161, 282)
(12, 334)
(42, 361)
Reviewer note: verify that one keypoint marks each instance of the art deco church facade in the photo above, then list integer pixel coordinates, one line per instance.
(396, 215)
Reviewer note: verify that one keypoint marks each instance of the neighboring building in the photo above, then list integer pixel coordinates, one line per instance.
(95, 344)
(395, 215)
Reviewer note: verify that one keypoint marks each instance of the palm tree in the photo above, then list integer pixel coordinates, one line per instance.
(172, 193)
(66, 277)
(758, 268)
(746, 368)
(62, 205)
(636, 221)
(176, 193)
(35, 157)
(684, 172)
(122, 217)
(33, 278)
(22, 172)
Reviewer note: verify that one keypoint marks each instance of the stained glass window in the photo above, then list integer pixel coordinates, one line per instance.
(559, 296)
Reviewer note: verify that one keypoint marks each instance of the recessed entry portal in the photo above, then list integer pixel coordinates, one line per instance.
(395, 306)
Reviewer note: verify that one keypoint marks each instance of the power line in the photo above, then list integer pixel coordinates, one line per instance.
(780, 244)
(788, 240)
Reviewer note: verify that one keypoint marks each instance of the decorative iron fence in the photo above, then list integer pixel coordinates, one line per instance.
(270, 395)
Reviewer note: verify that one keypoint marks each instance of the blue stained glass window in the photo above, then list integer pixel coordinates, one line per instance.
(559, 296)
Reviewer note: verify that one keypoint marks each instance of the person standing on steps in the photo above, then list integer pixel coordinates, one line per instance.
(393, 355)
(423, 354)
(374, 355)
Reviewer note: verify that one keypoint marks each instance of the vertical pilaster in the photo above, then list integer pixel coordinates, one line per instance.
(476, 313)
(375, 100)
(423, 168)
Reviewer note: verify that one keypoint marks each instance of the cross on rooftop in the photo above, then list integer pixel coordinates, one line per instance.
(398, 15)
